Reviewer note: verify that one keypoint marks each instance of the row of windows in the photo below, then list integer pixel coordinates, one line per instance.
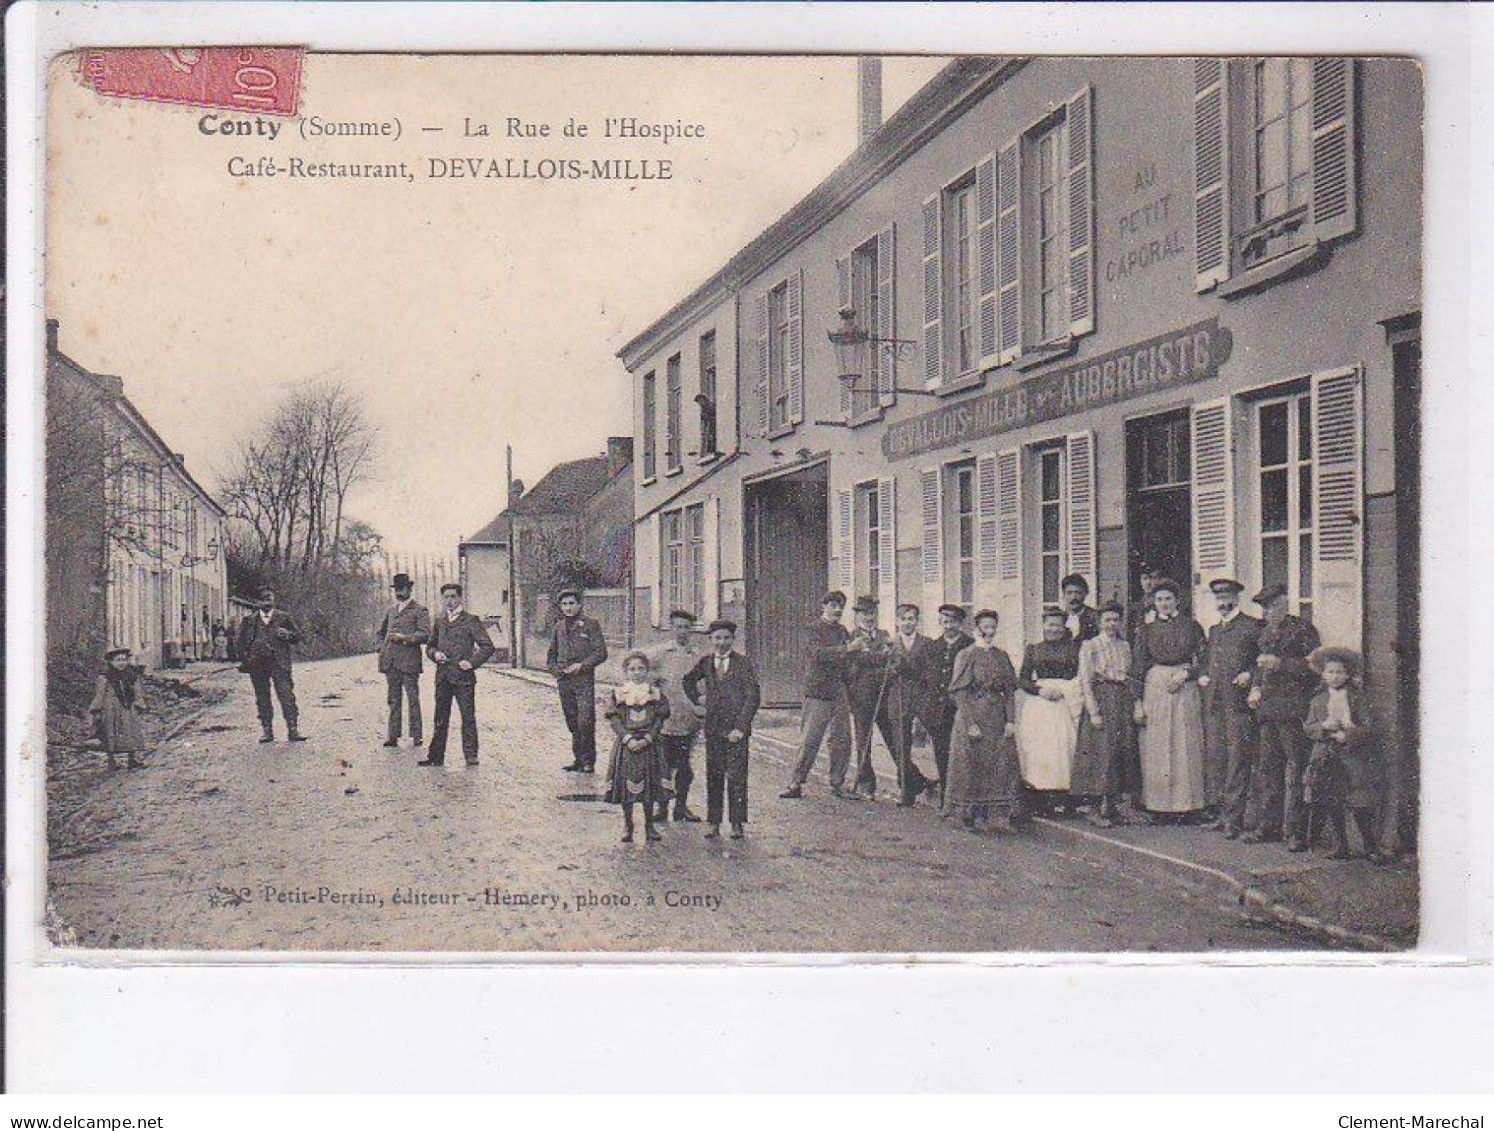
(705, 400)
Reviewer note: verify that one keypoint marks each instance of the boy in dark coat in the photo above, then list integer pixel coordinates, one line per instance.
(459, 645)
(726, 685)
(577, 648)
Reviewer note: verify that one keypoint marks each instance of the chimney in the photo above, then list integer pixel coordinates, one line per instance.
(52, 326)
(619, 455)
(868, 97)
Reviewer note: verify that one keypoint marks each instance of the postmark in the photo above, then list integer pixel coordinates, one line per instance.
(258, 80)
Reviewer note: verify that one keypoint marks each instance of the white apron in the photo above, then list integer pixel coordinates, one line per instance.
(1172, 748)
(1048, 733)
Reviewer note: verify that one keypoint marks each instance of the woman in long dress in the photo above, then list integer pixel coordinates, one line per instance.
(1107, 732)
(983, 772)
(1048, 710)
(118, 700)
(1166, 675)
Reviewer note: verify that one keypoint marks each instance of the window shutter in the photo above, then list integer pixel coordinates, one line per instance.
(1009, 523)
(1080, 492)
(985, 227)
(1080, 123)
(987, 534)
(1009, 251)
(1213, 497)
(886, 328)
(761, 391)
(887, 553)
(843, 287)
(1334, 171)
(646, 564)
(796, 347)
(1338, 494)
(710, 605)
(843, 544)
(1210, 173)
(931, 490)
(933, 298)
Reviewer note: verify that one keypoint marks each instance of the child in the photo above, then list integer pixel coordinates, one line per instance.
(636, 774)
(1345, 768)
(116, 707)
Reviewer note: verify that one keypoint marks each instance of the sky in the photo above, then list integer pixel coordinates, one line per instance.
(469, 314)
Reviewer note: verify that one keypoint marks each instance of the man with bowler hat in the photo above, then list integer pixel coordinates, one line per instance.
(1229, 729)
(577, 647)
(266, 638)
(725, 684)
(405, 629)
(1281, 692)
(459, 645)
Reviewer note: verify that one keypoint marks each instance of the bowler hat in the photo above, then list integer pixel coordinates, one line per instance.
(723, 626)
(1268, 594)
(401, 581)
(1323, 656)
(865, 604)
(1226, 585)
(952, 610)
(451, 587)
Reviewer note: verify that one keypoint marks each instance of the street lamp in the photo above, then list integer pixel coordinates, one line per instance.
(849, 340)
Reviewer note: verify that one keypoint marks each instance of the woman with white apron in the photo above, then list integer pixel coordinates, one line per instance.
(1048, 711)
(1172, 748)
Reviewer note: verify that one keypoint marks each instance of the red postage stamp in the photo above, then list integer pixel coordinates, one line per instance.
(258, 80)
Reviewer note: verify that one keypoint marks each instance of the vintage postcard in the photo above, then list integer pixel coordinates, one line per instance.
(732, 504)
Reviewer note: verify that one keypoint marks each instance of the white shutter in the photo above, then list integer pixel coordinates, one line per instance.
(931, 494)
(844, 546)
(1213, 498)
(1009, 251)
(1338, 506)
(1079, 119)
(1079, 490)
(933, 297)
(796, 347)
(887, 553)
(843, 287)
(710, 606)
(1334, 172)
(1210, 173)
(985, 227)
(886, 328)
(761, 385)
(987, 534)
(646, 563)
(1009, 534)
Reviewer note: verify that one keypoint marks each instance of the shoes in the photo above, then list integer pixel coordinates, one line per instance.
(682, 813)
(431, 762)
(737, 833)
(1231, 832)
(713, 832)
(1382, 858)
(794, 792)
(268, 736)
(391, 742)
(589, 768)
(417, 743)
(1296, 844)
(628, 837)
(295, 736)
(1099, 820)
(1340, 854)
(573, 768)
(843, 793)
(472, 762)
(653, 834)
(906, 802)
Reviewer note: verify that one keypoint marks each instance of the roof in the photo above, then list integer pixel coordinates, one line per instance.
(494, 533)
(564, 488)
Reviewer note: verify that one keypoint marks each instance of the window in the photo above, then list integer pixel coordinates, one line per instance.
(1285, 526)
(1050, 522)
(672, 414)
(778, 349)
(964, 534)
(1052, 234)
(871, 537)
(1282, 136)
(959, 277)
(682, 533)
(695, 557)
(649, 427)
(707, 396)
(864, 301)
(672, 532)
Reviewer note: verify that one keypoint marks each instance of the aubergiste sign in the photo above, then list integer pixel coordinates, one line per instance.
(1180, 357)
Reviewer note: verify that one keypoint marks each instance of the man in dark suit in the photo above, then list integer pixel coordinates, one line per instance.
(726, 685)
(938, 710)
(1229, 728)
(906, 697)
(1082, 621)
(459, 645)
(1143, 611)
(576, 648)
(406, 628)
(265, 641)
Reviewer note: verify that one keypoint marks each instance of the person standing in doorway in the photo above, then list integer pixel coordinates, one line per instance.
(671, 664)
(266, 638)
(1229, 728)
(827, 705)
(1144, 611)
(577, 648)
(404, 631)
(726, 686)
(459, 645)
(1080, 619)
(1281, 690)
(1164, 681)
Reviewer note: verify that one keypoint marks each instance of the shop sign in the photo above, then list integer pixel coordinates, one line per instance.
(1178, 358)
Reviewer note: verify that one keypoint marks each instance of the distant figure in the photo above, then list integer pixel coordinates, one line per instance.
(118, 701)
(726, 685)
(459, 645)
(406, 628)
(576, 649)
(265, 641)
(220, 641)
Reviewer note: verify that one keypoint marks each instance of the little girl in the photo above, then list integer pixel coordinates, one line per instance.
(1345, 770)
(116, 707)
(635, 775)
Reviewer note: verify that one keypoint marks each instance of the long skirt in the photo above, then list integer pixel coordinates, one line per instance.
(1047, 734)
(118, 727)
(637, 776)
(982, 771)
(1103, 752)
(1172, 773)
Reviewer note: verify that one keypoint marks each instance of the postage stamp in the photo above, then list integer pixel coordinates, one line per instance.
(261, 80)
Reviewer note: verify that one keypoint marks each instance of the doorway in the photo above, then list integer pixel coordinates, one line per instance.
(1159, 500)
(787, 562)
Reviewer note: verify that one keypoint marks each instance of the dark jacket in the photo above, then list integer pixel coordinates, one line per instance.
(414, 624)
(1286, 691)
(576, 640)
(1354, 772)
(462, 639)
(938, 667)
(730, 703)
(825, 672)
(1229, 650)
(267, 647)
(868, 664)
(1089, 623)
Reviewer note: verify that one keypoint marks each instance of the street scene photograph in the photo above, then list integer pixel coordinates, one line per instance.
(730, 504)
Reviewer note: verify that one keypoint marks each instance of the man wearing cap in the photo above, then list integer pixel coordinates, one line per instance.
(1082, 621)
(266, 638)
(872, 667)
(938, 709)
(671, 663)
(459, 645)
(726, 686)
(1228, 667)
(1281, 691)
(905, 698)
(577, 647)
(827, 707)
(406, 628)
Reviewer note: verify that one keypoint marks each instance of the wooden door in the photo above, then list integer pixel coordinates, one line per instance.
(787, 562)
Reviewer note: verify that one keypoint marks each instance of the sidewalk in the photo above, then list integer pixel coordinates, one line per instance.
(1353, 903)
